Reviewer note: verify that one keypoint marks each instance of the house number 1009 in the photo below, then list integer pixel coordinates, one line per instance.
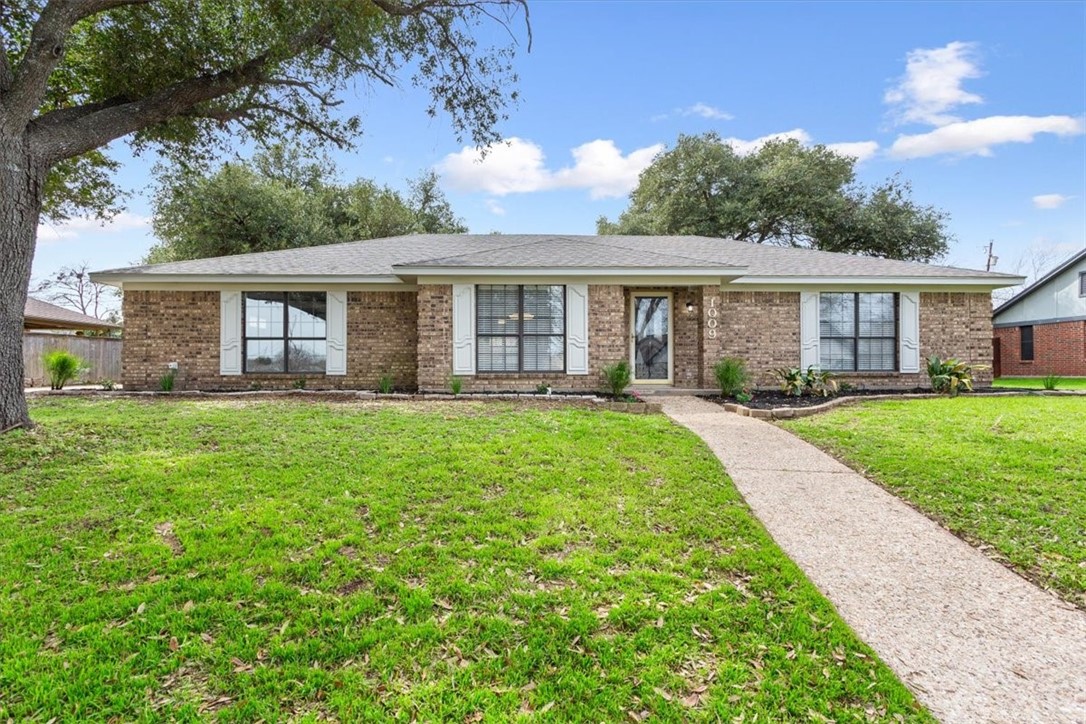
(711, 315)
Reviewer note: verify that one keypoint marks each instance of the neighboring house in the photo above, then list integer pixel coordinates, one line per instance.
(505, 312)
(39, 315)
(1042, 329)
(47, 327)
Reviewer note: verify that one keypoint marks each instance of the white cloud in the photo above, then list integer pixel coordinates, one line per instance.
(1050, 201)
(860, 150)
(519, 166)
(495, 207)
(932, 84)
(976, 138)
(77, 227)
(744, 148)
(702, 110)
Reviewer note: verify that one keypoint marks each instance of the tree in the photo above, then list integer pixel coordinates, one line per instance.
(783, 193)
(71, 286)
(185, 78)
(281, 200)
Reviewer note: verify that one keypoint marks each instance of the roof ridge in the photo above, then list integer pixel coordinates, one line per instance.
(657, 253)
(432, 260)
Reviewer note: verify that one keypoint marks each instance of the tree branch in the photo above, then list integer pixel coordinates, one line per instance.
(45, 51)
(81, 131)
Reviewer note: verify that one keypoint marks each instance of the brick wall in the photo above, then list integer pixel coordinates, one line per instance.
(763, 329)
(183, 327)
(608, 320)
(1058, 349)
(410, 335)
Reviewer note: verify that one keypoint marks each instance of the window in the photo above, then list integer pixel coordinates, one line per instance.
(285, 331)
(520, 328)
(1082, 284)
(858, 331)
(1025, 338)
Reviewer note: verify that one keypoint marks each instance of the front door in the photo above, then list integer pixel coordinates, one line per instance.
(651, 348)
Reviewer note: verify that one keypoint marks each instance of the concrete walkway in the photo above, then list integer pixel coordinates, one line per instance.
(973, 640)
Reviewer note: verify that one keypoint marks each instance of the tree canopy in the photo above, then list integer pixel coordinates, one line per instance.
(783, 193)
(281, 201)
(193, 78)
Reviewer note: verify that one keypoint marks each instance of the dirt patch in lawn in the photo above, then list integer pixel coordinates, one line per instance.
(165, 532)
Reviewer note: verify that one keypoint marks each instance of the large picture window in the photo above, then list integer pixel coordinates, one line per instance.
(520, 328)
(285, 331)
(858, 331)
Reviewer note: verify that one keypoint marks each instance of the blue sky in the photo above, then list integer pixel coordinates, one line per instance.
(980, 105)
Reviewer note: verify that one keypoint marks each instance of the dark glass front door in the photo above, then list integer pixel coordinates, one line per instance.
(652, 337)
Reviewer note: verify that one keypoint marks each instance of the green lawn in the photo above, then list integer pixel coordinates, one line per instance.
(1065, 383)
(1007, 472)
(459, 562)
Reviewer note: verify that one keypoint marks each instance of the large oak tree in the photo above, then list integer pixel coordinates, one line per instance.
(188, 78)
(783, 193)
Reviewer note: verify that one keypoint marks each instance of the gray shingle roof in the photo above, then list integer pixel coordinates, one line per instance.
(398, 255)
(37, 313)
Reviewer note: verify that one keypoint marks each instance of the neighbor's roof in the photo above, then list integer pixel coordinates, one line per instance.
(43, 315)
(406, 256)
(1075, 258)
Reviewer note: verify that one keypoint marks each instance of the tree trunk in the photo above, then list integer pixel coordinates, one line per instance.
(21, 178)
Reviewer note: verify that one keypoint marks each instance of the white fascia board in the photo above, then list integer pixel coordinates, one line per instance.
(638, 272)
(639, 281)
(228, 281)
(825, 283)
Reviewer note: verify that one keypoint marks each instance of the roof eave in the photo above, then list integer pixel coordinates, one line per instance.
(889, 281)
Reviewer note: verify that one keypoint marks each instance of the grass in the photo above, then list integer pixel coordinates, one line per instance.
(1034, 383)
(290, 560)
(1008, 473)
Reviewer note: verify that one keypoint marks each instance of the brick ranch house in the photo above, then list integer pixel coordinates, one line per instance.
(508, 312)
(1042, 329)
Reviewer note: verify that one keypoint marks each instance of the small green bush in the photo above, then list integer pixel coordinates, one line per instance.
(107, 384)
(617, 377)
(63, 367)
(456, 384)
(165, 382)
(949, 376)
(796, 383)
(731, 376)
(1049, 382)
(542, 389)
(384, 385)
(299, 384)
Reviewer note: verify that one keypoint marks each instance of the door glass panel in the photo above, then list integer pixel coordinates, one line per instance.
(651, 325)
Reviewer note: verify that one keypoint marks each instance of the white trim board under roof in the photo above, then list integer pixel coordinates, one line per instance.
(698, 259)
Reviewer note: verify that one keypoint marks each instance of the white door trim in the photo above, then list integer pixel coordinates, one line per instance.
(634, 295)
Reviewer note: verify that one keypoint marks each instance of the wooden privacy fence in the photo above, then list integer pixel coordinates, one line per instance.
(102, 355)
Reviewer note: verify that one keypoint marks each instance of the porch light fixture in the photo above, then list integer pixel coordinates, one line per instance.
(690, 305)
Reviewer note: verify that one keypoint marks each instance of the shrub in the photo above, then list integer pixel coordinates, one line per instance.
(165, 382)
(384, 385)
(820, 382)
(63, 367)
(107, 384)
(949, 376)
(731, 376)
(299, 384)
(1049, 382)
(617, 377)
(542, 389)
(456, 384)
(791, 380)
(796, 383)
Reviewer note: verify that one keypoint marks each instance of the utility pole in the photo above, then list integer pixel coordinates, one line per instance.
(992, 259)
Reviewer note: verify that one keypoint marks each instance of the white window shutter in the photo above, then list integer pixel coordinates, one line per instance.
(229, 333)
(809, 353)
(909, 312)
(577, 329)
(336, 325)
(463, 329)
